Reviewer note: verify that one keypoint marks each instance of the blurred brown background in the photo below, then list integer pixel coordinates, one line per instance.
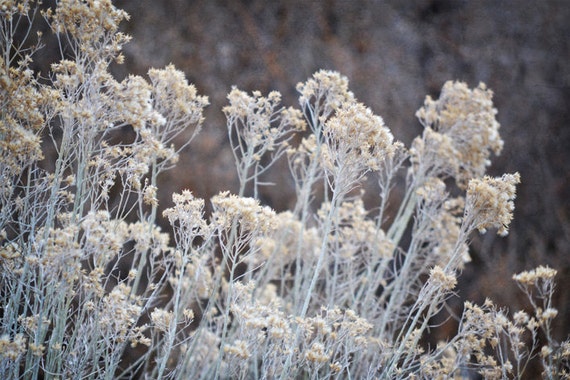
(394, 53)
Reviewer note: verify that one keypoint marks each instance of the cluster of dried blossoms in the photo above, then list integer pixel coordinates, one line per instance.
(91, 287)
(83, 260)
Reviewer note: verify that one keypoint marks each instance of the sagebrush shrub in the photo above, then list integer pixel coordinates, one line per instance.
(90, 287)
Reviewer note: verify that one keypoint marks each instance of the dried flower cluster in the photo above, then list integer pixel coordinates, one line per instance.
(490, 202)
(461, 131)
(258, 125)
(356, 142)
(321, 96)
(91, 287)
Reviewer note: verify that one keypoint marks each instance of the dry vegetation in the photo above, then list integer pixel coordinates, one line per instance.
(94, 285)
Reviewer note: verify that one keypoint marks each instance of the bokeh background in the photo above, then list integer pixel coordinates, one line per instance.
(394, 53)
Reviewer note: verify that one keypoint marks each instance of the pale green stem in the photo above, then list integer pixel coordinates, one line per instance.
(233, 236)
(324, 245)
(174, 323)
(404, 344)
(143, 259)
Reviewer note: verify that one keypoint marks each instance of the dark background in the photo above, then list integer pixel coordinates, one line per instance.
(394, 53)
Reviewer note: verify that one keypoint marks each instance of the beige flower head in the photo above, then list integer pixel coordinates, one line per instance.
(544, 273)
(467, 118)
(187, 213)
(357, 141)
(490, 202)
(87, 20)
(230, 209)
(323, 94)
